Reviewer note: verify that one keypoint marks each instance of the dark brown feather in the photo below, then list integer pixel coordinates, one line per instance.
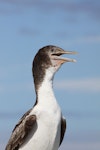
(63, 129)
(21, 131)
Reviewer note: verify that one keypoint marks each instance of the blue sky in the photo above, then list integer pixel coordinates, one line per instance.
(26, 26)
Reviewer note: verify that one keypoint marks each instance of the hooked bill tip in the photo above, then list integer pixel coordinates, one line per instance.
(74, 60)
(70, 60)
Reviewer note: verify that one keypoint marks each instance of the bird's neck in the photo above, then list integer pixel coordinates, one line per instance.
(45, 94)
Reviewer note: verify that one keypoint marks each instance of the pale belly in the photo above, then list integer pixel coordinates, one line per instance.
(46, 133)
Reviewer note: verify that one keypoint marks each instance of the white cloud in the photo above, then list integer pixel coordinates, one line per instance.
(90, 85)
(83, 85)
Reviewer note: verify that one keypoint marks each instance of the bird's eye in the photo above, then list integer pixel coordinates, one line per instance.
(52, 50)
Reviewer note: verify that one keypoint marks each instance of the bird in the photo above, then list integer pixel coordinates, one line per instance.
(43, 126)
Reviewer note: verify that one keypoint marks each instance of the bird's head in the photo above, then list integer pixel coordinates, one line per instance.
(49, 58)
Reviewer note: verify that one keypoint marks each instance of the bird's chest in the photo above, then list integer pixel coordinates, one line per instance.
(49, 120)
(49, 129)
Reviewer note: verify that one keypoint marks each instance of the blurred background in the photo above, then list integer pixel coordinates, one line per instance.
(26, 26)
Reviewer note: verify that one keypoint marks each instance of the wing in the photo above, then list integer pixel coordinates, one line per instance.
(63, 129)
(20, 132)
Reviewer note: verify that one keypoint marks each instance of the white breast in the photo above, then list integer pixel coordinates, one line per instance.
(46, 133)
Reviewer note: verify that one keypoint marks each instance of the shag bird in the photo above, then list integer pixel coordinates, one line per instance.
(43, 126)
